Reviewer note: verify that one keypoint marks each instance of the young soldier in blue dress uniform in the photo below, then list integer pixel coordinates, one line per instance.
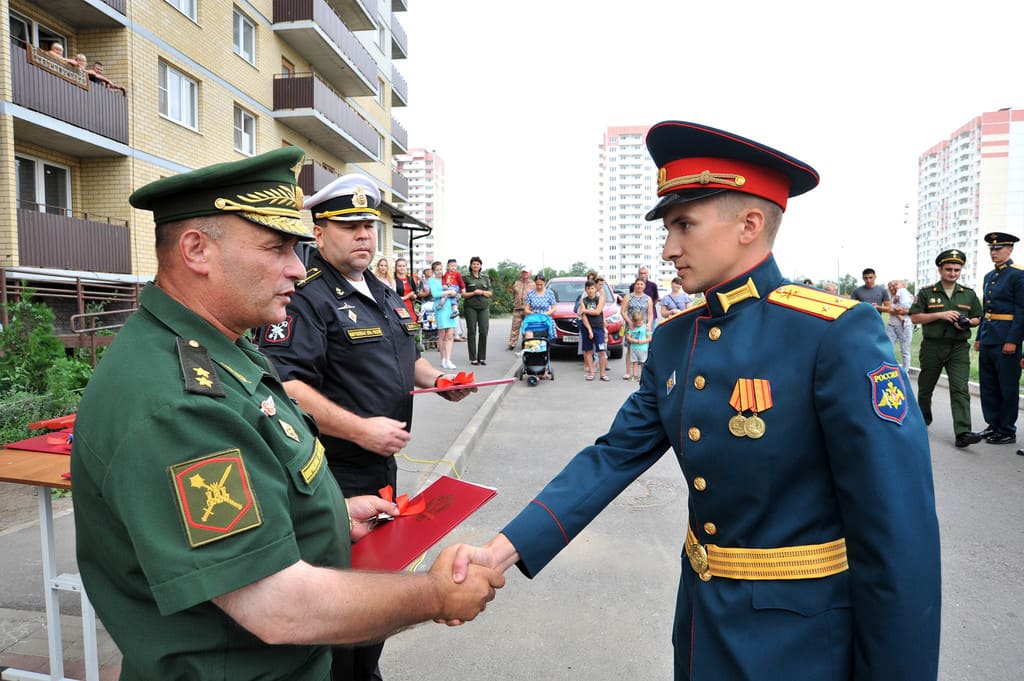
(999, 341)
(210, 536)
(812, 548)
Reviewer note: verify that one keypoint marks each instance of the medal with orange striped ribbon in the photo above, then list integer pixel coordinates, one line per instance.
(754, 395)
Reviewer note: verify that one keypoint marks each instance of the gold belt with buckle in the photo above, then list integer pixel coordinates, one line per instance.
(788, 562)
(999, 317)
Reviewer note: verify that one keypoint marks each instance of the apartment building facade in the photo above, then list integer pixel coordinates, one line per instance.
(205, 81)
(424, 171)
(968, 185)
(627, 186)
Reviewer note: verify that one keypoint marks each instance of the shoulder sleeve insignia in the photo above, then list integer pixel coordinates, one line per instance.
(280, 333)
(198, 369)
(888, 394)
(810, 301)
(215, 497)
(311, 274)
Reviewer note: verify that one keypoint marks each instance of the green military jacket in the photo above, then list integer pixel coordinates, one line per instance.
(193, 475)
(481, 283)
(934, 299)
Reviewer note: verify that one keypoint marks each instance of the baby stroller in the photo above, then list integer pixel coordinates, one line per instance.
(536, 355)
(428, 325)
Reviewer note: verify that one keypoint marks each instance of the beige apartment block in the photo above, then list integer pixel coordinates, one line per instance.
(199, 82)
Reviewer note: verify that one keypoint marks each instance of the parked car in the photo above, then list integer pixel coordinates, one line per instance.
(568, 326)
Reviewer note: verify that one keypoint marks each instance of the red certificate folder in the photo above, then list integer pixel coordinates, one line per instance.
(464, 386)
(53, 443)
(397, 543)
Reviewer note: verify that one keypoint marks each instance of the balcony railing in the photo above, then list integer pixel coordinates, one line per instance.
(354, 13)
(399, 40)
(305, 103)
(399, 6)
(314, 176)
(399, 88)
(316, 31)
(85, 14)
(66, 242)
(96, 109)
(400, 186)
(399, 137)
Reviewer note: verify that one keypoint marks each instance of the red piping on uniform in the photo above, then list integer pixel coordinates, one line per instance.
(551, 513)
(693, 617)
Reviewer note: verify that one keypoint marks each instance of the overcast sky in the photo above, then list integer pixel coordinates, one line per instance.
(515, 97)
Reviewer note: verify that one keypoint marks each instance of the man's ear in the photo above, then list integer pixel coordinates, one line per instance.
(753, 225)
(194, 248)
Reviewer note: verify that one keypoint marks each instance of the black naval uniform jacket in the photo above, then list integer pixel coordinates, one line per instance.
(359, 352)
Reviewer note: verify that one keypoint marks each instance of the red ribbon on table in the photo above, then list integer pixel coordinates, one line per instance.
(404, 506)
(461, 378)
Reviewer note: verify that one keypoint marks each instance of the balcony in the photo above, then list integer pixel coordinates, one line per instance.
(60, 241)
(306, 104)
(399, 138)
(399, 88)
(399, 6)
(316, 32)
(85, 14)
(96, 110)
(399, 40)
(355, 14)
(399, 186)
(314, 176)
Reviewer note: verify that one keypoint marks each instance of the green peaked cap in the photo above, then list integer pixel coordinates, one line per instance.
(261, 189)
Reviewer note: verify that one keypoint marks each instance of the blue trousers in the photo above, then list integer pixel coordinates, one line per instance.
(999, 376)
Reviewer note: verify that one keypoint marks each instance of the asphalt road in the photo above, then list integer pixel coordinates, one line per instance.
(603, 608)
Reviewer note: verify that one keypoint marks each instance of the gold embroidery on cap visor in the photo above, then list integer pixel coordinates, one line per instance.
(346, 211)
(704, 177)
(277, 208)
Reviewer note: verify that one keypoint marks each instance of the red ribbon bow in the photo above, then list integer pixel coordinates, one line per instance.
(404, 506)
(461, 378)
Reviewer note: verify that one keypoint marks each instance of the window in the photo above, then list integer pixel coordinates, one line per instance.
(380, 91)
(43, 186)
(179, 96)
(25, 30)
(186, 7)
(245, 131)
(287, 68)
(244, 37)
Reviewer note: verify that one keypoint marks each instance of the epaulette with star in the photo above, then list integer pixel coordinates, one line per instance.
(811, 301)
(198, 369)
(311, 274)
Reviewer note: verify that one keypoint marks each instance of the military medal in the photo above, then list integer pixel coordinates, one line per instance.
(754, 395)
(268, 407)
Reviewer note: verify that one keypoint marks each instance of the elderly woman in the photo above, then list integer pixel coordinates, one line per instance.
(477, 297)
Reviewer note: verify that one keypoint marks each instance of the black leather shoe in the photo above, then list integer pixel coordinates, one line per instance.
(483, 363)
(987, 432)
(1001, 439)
(1020, 452)
(964, 439)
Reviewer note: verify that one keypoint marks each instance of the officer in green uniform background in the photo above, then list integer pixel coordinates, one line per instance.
(211, 537)
(947, 311)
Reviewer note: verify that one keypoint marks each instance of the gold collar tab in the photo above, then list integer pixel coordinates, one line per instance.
(741, 293)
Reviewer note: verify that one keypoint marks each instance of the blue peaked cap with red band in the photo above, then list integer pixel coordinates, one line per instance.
(696, 161)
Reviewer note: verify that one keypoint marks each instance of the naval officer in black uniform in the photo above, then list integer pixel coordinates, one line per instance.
(999, 341)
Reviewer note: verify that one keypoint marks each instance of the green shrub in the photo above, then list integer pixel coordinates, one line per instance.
(28, 346)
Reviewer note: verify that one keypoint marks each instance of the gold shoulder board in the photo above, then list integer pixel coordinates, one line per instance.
(311, 274)
(810, 301)
(1016, 266)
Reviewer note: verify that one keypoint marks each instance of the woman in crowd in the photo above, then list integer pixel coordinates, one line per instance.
(477, 308)
(637, 301)
(383, 272)
(675, 302)
(406, 286)
(443, 297)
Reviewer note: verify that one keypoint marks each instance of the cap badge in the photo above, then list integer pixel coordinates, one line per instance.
(359, 198)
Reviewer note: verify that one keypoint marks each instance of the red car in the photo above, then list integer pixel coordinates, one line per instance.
(568, 326)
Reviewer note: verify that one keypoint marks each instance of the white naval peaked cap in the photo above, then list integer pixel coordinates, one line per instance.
(350, 198)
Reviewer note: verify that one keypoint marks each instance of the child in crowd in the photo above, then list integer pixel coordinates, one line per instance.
(637, 339)
(591, 312)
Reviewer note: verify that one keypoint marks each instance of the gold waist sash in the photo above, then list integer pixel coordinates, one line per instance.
(999, 317)
(788, 562)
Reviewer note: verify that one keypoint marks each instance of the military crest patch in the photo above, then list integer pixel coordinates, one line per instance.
(888, 393)
(280, 332)
(215, 497)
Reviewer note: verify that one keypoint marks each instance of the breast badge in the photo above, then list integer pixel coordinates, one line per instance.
(888, 393)
(670, 383)
(753, 395)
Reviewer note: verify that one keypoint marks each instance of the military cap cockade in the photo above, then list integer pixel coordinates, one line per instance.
(695, 161)
(999, 239)
(350, 198)
(952, 255)
(261, 189)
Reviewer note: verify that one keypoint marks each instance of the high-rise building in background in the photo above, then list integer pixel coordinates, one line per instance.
(627, 186)
(424, 170)
(969, 185)
(203, 82)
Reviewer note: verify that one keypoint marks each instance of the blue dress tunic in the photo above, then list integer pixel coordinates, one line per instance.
(844, 454)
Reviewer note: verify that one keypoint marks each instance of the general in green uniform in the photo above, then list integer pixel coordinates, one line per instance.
(947, 311)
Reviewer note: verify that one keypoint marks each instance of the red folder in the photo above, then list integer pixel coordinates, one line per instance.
(53, 443)
(398, 542)
(463, 386)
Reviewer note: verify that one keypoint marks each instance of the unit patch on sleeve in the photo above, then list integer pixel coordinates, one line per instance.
(280, 333)
(215, 497)
(888, 394)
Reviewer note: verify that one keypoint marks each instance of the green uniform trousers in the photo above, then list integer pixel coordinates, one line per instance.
(478, 322)
(954, 356)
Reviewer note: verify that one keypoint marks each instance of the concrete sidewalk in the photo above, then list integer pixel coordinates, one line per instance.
(443, 432)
